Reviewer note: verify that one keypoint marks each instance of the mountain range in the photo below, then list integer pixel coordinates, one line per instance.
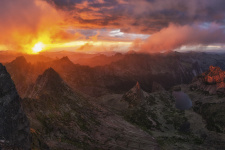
(117, 77)
(126, 103)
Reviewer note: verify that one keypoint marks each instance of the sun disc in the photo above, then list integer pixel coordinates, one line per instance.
(38, 47)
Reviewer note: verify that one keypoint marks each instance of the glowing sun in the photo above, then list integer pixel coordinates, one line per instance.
(38, 47)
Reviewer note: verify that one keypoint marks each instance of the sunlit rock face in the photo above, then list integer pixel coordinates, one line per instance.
(211, 81)
(14, 125)
(214, 75)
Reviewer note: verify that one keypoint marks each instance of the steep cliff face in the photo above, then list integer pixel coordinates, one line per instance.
(14, 125)
(211, 81)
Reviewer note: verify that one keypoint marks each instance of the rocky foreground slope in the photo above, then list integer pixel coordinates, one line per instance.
(14, 125)
(200, 127)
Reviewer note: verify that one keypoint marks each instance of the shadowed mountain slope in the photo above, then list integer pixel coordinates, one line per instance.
(64, 119)
(199, 127)
(14, 125)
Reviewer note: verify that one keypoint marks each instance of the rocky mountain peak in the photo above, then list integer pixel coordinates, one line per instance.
(62, 63)
(66, 60)
(14, 125)
(49, 77)
(138, 86)
(51, 73)
(49, 82)
(20, 60)
(134, 96)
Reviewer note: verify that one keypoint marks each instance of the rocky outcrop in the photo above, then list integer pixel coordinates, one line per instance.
(134, 96)
(14, 125)
(211, 81)
(214, 75)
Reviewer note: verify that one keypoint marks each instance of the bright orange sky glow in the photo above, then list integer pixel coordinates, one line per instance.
(119, 25)
(44, 28)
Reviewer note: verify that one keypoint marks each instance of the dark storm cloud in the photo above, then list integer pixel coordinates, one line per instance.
(171, 23)
(67, 4)
(143, 15)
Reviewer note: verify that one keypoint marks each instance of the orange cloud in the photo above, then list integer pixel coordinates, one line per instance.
(104, 46)
(20, 28)
(176, 36)
(63, 36)
(136, 44)
(85, 47)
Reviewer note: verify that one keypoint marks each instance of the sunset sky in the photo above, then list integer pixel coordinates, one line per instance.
(95, 26)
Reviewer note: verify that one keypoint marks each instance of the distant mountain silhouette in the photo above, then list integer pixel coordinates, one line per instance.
(100, 60)
(117, 77)
(19, 61)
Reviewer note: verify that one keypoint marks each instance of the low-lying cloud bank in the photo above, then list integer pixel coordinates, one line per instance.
(176, 36)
